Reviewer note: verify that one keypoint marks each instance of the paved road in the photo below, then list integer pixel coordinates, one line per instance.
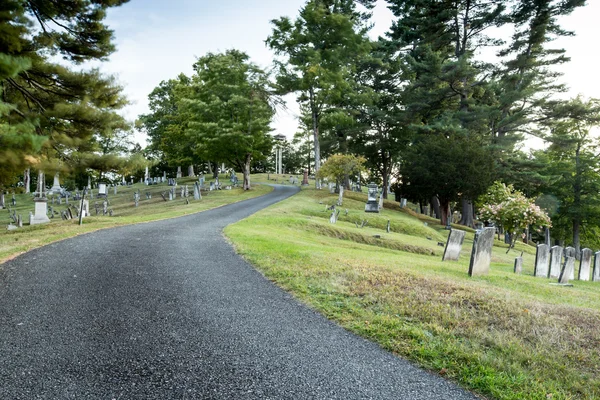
(167, 310)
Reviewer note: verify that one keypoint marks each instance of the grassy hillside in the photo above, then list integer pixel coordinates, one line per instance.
(124, 212)
(503, 336)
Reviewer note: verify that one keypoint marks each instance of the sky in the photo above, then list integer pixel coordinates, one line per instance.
(157, 40)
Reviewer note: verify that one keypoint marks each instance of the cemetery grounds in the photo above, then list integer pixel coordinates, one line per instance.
(503, 336)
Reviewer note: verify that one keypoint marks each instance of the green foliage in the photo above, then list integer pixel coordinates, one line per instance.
(339, 166)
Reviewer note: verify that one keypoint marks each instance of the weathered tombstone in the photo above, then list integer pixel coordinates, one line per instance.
(102, 190)
(453, 245)
(585, 265)
(104, 207)
(173, 190)
(542, 261)
(136, 198)
(2, 201)
(571, 252)
(596, 272)
(333, 217)
(19, 221)
(170, 195)
(14, 200)
(56, 186)
(518, 265)
(380, 205)
(182, 192)
(164, 177)
(567, 271)
(179, 175)
(212, 186)
(372, 206)
(556, 254)
(196, 191)
(387, 228)
(31, 218)
(403, 203)
(481, 255)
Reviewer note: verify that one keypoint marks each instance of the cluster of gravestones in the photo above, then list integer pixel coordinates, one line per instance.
(555, 262)
(559, 262)
(156, 181)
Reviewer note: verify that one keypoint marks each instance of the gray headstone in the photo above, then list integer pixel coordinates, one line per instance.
(481, 255)
(571, 252)
(585, 265)
(518, 265)
(596, 273)
(542, 261)
(567, 271)
(454, 245)
(556, 254)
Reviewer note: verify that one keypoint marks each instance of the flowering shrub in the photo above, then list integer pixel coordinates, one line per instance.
(515, 213)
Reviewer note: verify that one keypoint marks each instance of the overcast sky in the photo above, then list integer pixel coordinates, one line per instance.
(156, 40)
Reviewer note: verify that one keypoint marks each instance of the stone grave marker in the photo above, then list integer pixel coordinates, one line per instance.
(556, 255)
(542, 261)
(212, 186)
(571, 252)
(518, 265)
(585, 265)
(567, 271)
(453, 245)
(197, 195)
(481, 254)
(596, 272)
(102, 190)
(372, 206)
(403, 203)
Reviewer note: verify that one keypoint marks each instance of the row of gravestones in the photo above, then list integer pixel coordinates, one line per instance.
(549, 263)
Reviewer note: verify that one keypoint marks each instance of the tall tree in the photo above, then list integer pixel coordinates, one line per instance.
(228, 111)
(318, 50)
(573, 164)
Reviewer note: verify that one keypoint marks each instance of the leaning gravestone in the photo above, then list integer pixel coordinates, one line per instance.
(196, 191)
(596, 273)
(570, 252)
(518, 265)
(556, 254)
(542, 261)
(481, 255)
(454, 245)
(567, 271)
(585, 265)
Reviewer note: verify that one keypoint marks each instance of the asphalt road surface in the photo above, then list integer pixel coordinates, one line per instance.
(167, 310)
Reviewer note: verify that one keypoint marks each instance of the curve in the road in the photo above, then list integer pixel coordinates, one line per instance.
(167, 310)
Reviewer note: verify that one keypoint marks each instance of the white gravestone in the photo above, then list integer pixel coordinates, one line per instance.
(556, 254)
(585, 265)
(567, 271)
(481, 255)
(570, 252)
(596, 273)
(454, 245)
(542, 261)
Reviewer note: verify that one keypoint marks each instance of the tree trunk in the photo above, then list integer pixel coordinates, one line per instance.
(576, 232)
(435, 206)
(247, 171)
(385, 174)
(315, 127)
(27, 180)
(467, 213)
(210, 171)
(216, 171)
(444, 212)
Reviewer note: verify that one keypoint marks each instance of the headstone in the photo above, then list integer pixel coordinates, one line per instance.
(453, 245)
(518, 265)
(197, 195)
(136, 198)
(30, 218)
(403, 203)
(305, 178)
(14, 200)
(567, 270)
(387, 228)
(380, 205)
(102, 190)
(164, 177)
(596, 272)
(212, 186)
(174, 192)
(481, 255)
(40, 215)
(556, 254)
(179, 175)
(2, 201)
(11, 227)
(56, 186)
(146, 175)
(372, 206)
(20, 221)
(170, 195)
(570, 252)
(585, 265)
(542, 261)
(182, 192)
(104, 207)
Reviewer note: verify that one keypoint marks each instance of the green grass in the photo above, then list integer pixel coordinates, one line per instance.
(504, 336)
(16, 242)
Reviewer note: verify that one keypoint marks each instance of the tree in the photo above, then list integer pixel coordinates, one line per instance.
(320, 47)
(47, 110)
(339, 166)
(573, 165)
(227, 110)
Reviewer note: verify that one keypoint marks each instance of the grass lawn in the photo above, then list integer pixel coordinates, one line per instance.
(503, 336)
(16, 242)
